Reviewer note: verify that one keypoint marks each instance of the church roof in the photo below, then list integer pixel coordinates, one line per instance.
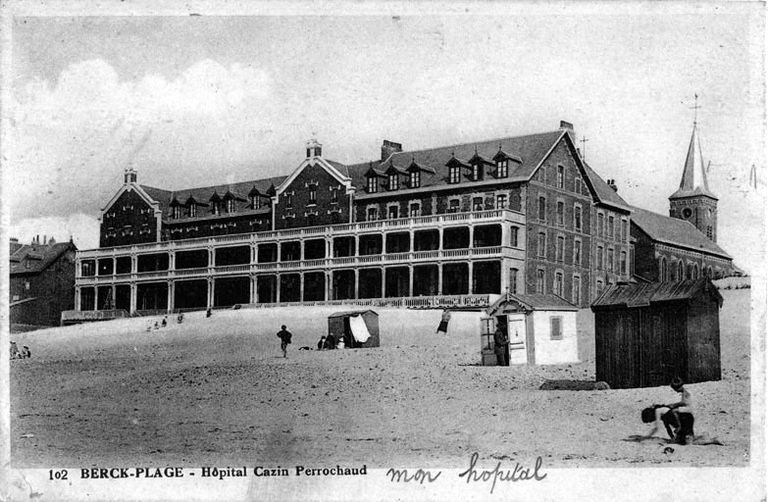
(674, 231)
(694, 179)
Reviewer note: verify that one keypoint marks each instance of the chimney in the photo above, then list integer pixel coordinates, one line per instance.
(388, 148)
(566, 126)
(45, 239)
(612, 184)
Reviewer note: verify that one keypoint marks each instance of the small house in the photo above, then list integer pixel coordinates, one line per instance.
(358, 328)
(541, 329)
(646, 334)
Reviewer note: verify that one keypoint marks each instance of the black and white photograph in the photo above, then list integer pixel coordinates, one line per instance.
(383, 251)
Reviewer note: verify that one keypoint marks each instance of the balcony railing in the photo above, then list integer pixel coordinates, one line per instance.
(327, 231)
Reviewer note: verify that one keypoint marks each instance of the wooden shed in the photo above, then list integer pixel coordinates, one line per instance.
(346, 324)
(648, 333)
(541, 329)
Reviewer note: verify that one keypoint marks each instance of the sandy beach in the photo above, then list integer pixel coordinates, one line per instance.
(217, 391)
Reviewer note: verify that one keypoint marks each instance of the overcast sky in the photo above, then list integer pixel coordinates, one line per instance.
(201, 100)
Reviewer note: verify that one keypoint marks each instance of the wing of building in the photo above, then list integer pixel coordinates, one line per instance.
(455, 225)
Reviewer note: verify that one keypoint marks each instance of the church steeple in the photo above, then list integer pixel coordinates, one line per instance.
(693, 201)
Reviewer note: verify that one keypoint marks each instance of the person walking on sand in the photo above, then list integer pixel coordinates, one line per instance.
(500, 347)
(443, 326)
(285, 338)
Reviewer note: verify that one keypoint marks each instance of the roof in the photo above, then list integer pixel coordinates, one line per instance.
(643, 294)
(694, 179)
(530, 302)
(34, 258)
(203, 194)
(530, 149)
(605, 193)
(351, 313)
(674, 231)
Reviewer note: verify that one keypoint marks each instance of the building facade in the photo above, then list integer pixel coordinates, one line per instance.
(41, 282)
(453, 225)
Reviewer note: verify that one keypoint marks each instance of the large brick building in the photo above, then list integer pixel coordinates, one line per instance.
(41, 282)
(444, 226)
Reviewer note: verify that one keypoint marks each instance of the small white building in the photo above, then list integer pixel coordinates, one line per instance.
(541, 328)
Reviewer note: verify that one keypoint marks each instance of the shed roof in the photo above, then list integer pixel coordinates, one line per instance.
(530, 302)
(643, 294)
(351, 313)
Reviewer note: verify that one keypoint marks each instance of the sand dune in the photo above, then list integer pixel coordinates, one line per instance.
(216, 390)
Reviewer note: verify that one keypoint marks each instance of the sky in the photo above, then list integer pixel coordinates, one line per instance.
(200, 100)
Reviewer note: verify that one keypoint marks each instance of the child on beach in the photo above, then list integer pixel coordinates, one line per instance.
(677, 418)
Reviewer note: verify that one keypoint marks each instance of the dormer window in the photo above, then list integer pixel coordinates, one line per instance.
(454, 174)
(476, 172)
(502, 168)
(372, 185)
(312, 194)
(394, 181)
(176, 212)
(309, 152)
(192, 210)
(230, 205)
(415, 180)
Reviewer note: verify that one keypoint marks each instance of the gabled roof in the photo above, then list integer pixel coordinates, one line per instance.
(605, 193)
(643, 294)
(674, 231)
(514, 302)
(694, 179)
(34, 258)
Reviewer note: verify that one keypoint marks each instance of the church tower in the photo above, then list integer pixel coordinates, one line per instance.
(693, 201)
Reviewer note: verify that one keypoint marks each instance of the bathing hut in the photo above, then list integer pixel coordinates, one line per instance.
(648, 333)
(358, 328)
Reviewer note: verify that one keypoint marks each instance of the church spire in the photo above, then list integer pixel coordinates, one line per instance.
(694, 179)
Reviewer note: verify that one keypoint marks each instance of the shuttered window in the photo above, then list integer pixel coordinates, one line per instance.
(556, 328)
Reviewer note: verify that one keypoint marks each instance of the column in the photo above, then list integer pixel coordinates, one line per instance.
(440, 238)
(209, 303)
(439, 279)
(410, 280)
(277, 287)
(134, 264)
(357, 284)
(383, 282)
(114, 291)
(96, 296)
(171, 290)
(471, 236)
(301, 280)
(469, 283)
(328, 286)
(254, 254)
(171, 261)
(252, 294)
(301, 249)
(133, 299)
(78, 302)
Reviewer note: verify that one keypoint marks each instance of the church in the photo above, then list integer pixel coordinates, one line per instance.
(453, 226)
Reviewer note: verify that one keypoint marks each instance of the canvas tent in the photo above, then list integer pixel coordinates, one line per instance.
(358, 328)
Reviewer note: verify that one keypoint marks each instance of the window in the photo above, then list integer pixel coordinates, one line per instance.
(577, 252)
(610, 227)
(513, 236)
(542, 209)
(540, 281)
(415, 179)
(560, 177)
(216, 208)
(513, 280)
(334, 194)
(373, 214)
(610, 259)
(230, 205)
(501, 201)
(623, 230)
(560, 248)
(576, 290)
(454, 175)
(309, 152)
(176, 212)
(477, 204)
(560, 213)
(556, 328)
(312, 194)
(254, 201)
(623, 263)
(392, 212)
(709, 231)
(394, 181)
(502, 168)
(577, 217)
(453, 206)
(600, 225)
(542, 250)
(415, 210)
(558, 284)
(577, 185)
(476, 172)
(599, 286)
(288, 200)
(599, 257)
(372, 185)
(192, 210)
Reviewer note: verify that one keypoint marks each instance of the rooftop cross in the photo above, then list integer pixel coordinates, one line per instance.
(695, 108)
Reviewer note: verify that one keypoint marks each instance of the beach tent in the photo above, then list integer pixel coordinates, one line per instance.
(646, 334)
(358, 328)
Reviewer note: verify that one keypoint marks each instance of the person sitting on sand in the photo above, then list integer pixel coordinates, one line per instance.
(25, 352)
(14, 350)
(330, 342)
(321, 343)
(677, 418)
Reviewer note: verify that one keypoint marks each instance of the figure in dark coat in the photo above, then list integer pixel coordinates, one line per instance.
(501, 347)
(285, 338)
